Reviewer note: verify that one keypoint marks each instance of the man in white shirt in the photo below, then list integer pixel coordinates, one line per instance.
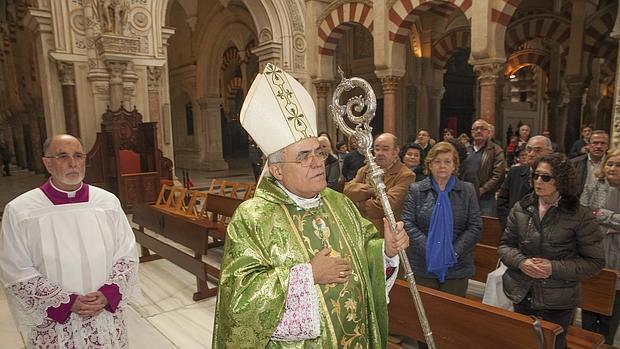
(68, 257)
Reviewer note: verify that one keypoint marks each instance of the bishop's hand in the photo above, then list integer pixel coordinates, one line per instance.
(394, 241)
(329, 270)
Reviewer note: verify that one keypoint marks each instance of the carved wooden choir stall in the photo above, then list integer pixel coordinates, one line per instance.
(125, 159)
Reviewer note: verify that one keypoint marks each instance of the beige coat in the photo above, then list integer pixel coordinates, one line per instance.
(397, 180)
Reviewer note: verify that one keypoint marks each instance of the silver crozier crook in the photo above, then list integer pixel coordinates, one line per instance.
(362, 133)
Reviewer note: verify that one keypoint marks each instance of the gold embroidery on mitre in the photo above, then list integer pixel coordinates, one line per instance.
(289, 105)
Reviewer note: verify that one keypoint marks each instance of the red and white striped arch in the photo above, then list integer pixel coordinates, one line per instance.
(333, 27)
(527, 57)
(502, 14)
(449, 43)
(233, 86)
(230, 57)
(597, 30)
(551, 27)
(403, 13)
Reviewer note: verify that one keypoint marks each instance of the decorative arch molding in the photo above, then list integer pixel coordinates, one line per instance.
(333, 26)
(402, 14)
(503, 11)
(547, 26)
(230, 58)
(597, 28)
(525, 57)
(450, 42)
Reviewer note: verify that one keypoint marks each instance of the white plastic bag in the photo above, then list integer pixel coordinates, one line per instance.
(494, 290)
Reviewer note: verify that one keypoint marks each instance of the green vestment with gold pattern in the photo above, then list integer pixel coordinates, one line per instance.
(267, 236)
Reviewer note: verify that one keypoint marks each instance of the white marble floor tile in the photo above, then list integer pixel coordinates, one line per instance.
(165, 287)
(143, 335)
(190, 327)
(8, 332)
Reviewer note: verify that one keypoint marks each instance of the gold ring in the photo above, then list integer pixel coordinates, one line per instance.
(341, 274)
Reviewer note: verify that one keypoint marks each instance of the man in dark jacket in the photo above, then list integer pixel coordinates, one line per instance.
(353, 161)
(586, 165)
(484, 166)
(518, 181)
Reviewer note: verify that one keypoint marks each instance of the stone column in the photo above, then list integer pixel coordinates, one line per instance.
(116, 70)
(209, 135)
(243, 63)
(615, 129)
(66, 75)
(324, 122)
(37, 149)
(154, 75)
(575, 85)
(487, 79)
(390, 85)
(435, 95)
(269, 52)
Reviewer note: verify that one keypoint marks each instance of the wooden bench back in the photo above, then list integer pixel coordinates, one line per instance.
(219, 205)
(485, 260)
(597, 293)
(491, 231)
(458, 322)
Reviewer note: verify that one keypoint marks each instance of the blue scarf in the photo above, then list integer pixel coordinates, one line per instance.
(439, 249)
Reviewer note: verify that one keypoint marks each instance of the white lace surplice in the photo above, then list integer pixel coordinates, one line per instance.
(48, 252)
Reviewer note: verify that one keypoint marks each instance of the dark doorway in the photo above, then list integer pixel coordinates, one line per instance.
(457, 105)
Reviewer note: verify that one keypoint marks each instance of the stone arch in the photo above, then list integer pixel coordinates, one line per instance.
(596, 41)
(338, 21)
(546, 26)
(402, 19)
(449, 43)
(403, 13)
(522, 58)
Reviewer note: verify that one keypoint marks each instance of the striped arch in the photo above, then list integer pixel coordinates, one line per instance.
(597, 30)
(341, 19)
(551, 27)
(403, 13)
(449, 43)
(234, 85)
(230, 58)
(504, 12)
(527, 57)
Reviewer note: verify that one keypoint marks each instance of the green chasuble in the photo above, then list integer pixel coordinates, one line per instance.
(267, 236)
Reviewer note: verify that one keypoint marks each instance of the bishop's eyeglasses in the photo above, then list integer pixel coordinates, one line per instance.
(305, 158)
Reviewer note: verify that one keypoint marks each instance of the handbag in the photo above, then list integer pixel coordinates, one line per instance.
(494, 289)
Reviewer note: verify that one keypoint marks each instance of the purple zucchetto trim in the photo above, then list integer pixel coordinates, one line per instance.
(58, 197)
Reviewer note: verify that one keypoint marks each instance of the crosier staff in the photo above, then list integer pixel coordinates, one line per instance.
(363, 134)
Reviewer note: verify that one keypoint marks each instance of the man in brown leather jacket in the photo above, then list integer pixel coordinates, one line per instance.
(484, 166)
(397, 178)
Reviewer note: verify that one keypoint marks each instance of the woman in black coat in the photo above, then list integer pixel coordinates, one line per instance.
(550, 245)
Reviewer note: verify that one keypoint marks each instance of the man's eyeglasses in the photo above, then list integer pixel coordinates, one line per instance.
(305, 158)
(545, 177)
(64, 157)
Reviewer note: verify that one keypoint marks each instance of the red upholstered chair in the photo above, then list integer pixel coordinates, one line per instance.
(129, 162)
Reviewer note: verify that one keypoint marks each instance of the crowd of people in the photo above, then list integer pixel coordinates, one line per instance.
(558, 213)
(311, 256)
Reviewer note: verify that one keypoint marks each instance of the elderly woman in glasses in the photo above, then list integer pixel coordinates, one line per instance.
(549, 245)
(442, 217)
(603, 197)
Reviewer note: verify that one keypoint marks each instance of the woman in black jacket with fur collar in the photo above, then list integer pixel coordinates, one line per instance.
(550, 244)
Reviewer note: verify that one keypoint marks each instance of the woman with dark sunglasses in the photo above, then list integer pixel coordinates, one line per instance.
(549, 245)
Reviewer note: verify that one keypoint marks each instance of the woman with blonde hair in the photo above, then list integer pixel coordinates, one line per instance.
(603, 197)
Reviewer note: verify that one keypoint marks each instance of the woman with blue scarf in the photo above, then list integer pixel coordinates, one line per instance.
(442, 217)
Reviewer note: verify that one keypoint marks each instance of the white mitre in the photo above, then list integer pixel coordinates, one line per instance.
(277, 111)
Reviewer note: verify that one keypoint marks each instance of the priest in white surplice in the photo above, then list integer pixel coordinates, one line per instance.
(68, 257)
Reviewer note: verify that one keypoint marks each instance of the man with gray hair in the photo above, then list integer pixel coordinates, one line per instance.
(518, 183)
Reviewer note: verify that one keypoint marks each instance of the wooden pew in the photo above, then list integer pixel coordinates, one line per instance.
(485, 261)
(195, 233)
(597, 295)
(491, 231)
(459, 323)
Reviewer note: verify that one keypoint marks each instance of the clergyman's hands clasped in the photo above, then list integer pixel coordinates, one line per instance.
(329, 270)
(89, 304)
(394, 242)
